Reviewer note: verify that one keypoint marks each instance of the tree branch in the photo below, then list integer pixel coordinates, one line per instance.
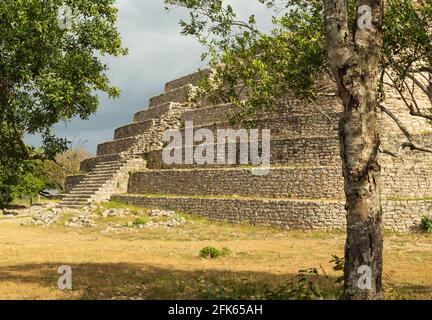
(397, 121)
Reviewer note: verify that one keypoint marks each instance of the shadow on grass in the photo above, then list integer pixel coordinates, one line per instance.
(125, 281)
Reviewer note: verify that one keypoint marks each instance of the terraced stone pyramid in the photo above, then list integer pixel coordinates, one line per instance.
(304, 188)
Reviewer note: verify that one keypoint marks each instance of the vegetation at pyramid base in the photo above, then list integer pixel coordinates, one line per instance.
(26, 179)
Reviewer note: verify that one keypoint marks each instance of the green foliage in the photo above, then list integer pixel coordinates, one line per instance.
(137, 222)
(27, 179)
(218, 288)
(213, 253)
(64, 164)
(305, 286)
(255, 70)
(426, 224)
(49, 74)
(301, 288)
(407, 42)
(338, 265)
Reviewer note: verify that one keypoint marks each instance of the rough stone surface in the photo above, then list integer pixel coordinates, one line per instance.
(80, 221)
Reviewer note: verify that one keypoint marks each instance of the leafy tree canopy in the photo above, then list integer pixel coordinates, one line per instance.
(293, 56)
(49, 73)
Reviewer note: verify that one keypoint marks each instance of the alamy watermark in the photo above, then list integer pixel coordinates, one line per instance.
(64, 17)
(365, 280)
(364, 20)
(65, 280)
(202, 147)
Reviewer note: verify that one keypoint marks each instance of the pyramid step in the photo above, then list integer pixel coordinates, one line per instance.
(153, 113)
(289, 127)
(116, 146)
(77, 196)
(88, 186)
(90, 191)
(133, 129)
(280, 182)
(105, 170)
(189, 79)
(286, 213)
(85, 189)
(108, 166)
(94, 180)
(83, 192)
(100, 176)
(329, 106)
(88, 164)
(317, 151)
(92, 183)
(177, 95)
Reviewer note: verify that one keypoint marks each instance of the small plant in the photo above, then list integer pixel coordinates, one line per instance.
(301, 288)
(138, 222)
(213, 253)
(426, 224)
(338, 265)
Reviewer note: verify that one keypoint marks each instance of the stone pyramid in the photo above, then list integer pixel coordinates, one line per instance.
(304, 188)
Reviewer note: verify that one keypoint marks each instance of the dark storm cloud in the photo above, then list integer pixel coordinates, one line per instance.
(157, 54)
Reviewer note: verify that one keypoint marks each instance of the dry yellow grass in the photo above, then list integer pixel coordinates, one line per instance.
(164, 264)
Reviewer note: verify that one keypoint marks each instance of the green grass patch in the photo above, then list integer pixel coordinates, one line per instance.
(121, 205)
(213, 253)
(140, 221)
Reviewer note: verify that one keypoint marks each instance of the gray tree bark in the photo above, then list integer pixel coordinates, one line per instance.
(354, 58)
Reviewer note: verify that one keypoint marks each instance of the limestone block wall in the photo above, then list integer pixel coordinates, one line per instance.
(298, 151)
(401, 216)
(408, 181)
(405, 216)
(281, 182)
(278, 213)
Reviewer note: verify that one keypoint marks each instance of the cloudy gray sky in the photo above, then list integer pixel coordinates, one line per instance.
(157, 54)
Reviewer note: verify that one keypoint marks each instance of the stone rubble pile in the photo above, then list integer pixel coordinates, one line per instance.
(80, 221)
(115, 213)
(40, 214)
(86, 217)
(172, 222)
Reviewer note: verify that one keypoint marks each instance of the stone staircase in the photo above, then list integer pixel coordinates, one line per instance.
(108, 172)
(106, 179)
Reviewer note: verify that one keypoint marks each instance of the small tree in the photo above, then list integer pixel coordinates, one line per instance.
(65, 164)
(27, 181)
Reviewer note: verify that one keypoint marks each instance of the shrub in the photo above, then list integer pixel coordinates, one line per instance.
(213, 253)
(426, 224)
(301, 288)
(138, 222)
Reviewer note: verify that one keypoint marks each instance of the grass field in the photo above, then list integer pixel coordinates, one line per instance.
(165, 263)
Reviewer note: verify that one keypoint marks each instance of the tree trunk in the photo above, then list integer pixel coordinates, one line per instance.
(354, 58)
